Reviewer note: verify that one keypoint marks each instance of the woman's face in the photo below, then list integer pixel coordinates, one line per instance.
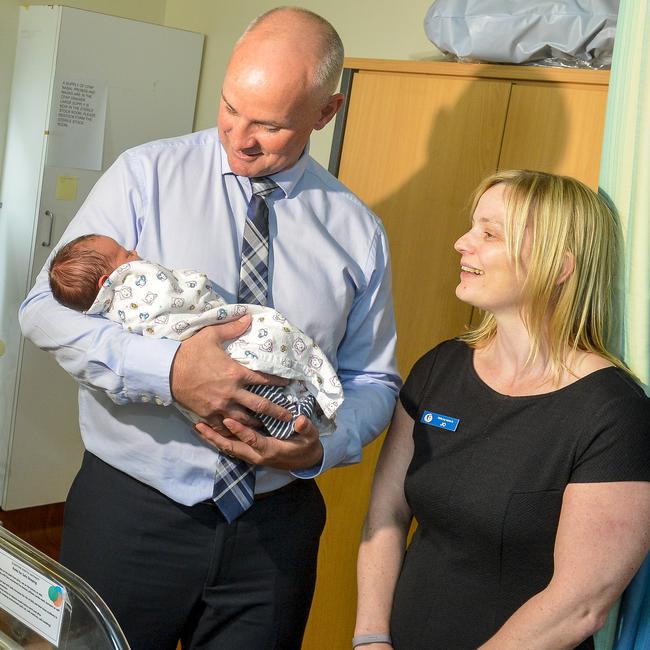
(487, 277)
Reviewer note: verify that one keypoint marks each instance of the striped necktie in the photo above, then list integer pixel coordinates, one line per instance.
(254, 272)
(234, 484)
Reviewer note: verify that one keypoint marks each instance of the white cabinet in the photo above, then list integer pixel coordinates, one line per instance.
(124, 82)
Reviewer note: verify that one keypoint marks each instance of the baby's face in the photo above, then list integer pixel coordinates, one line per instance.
(113, 251)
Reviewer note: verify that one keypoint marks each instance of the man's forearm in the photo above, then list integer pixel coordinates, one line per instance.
(97, 352)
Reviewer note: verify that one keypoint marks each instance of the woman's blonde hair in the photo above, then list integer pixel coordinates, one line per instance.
(569, 226)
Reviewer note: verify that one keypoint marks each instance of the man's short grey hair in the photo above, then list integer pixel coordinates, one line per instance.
(328, 70)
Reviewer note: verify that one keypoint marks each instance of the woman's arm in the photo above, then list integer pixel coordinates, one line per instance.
(603, 537)
(385, 530)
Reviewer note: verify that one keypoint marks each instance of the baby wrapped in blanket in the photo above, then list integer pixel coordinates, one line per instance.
(152, 300)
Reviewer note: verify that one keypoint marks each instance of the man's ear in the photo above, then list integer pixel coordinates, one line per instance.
(568, 267)
(329, 110)
(100, 282)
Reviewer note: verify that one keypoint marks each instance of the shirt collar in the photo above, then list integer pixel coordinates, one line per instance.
(287, 179)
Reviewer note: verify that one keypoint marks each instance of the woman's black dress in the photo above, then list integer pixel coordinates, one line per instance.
(487, 492)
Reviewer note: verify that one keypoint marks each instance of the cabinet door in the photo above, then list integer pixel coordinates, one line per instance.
(555, 128)
(414, 148)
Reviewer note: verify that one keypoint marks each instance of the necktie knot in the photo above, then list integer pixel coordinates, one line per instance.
(262, 185)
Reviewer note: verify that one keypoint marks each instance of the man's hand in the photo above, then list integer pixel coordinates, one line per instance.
(301, 451)
(204, 379)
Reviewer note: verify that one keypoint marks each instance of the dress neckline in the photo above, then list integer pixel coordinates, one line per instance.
(557, 391)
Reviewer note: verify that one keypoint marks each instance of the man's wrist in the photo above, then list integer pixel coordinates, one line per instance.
(146, 369)
(313, 470)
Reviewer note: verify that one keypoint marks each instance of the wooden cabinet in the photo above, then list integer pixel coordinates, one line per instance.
(413, 142)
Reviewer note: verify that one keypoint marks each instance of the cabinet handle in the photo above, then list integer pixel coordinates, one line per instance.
(50, 215)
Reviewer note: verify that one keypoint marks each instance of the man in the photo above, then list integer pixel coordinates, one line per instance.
(145, 522)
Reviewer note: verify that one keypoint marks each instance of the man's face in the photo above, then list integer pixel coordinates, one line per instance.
(266, 118)
(257, 142)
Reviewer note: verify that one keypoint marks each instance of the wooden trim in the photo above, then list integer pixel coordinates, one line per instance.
(482, 70)
(40, 526)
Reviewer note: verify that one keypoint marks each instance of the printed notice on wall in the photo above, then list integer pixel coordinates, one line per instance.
(29, 597)
(77, 122)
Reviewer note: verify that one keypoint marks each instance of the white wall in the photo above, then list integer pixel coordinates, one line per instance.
(384, 29)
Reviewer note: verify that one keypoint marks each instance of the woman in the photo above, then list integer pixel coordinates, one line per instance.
(522, 448)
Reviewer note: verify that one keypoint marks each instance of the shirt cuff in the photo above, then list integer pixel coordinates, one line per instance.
(326, 462)
(147, 366)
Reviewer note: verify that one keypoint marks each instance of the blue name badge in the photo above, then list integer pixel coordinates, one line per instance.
(440, 421)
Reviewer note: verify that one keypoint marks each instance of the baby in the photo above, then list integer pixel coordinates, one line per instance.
(151, 300)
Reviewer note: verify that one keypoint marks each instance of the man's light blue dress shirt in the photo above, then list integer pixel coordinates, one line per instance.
(177, 202)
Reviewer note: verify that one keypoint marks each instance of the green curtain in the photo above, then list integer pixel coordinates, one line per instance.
(625, 179)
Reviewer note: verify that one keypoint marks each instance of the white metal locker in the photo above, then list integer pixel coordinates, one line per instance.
(149, 74)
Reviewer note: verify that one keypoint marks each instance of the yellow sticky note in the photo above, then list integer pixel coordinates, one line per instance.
(66, 188)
